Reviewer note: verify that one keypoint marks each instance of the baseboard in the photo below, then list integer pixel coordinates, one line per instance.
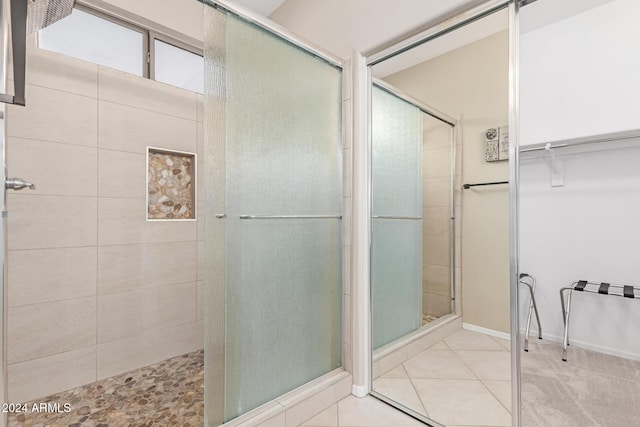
(359, 390)
(584, 345)
(486, 331)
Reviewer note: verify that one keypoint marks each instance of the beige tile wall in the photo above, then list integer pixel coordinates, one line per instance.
(436, 214)
(94, 289)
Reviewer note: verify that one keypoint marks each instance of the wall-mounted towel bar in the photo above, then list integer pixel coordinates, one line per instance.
(468, 186)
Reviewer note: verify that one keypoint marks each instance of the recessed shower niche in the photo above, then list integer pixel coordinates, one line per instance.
(171, 182)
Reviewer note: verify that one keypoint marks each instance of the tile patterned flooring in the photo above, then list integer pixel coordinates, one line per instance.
(465, 367)
(462, 380)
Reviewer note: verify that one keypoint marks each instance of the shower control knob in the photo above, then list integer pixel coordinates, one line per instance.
(18, 184)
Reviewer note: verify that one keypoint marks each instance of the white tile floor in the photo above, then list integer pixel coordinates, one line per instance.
(365, 412)
(463, 380)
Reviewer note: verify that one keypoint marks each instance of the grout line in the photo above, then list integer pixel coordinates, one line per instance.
(415, 390)
(54, 142)
(52, 195)
(97, 207)
(105, 246)
(495, 396)
(30, 83)
(51, 355)
(148, 110)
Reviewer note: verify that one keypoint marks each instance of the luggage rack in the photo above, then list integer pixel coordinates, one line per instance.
(530, 282)
(625, 291)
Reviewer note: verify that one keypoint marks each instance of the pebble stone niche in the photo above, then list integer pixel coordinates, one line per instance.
(171, 185)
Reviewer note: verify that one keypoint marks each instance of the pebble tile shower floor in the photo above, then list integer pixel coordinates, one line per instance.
(170, 393)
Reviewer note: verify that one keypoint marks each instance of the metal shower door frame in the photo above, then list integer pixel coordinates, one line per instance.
(217, 334)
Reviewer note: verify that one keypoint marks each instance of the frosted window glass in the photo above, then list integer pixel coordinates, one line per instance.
(273, 119)
(396, 269)
(96, 40)
(178, 67)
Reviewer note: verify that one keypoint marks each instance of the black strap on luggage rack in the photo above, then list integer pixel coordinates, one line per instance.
(625, 291)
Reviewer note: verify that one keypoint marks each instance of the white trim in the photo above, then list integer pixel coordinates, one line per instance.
(360, 232)
(486, 331)
(359, 390)
(584, 345)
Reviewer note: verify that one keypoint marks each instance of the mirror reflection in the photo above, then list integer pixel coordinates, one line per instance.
(440, 260)
(579, 204)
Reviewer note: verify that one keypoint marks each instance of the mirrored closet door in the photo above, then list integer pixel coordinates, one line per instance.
(440, 252)
(579, 204)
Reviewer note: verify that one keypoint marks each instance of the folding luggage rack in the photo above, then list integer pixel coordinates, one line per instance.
(530, 282)
(625, 291)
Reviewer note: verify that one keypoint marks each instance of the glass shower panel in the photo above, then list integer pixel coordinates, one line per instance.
(283, 202)
(396, 274)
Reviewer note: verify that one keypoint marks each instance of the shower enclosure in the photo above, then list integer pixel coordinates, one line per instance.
(273, 161)
(405, 248)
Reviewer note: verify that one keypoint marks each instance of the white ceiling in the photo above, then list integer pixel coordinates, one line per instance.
(263, 7)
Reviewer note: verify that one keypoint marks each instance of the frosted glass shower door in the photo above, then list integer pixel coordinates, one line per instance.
(396, 261)
(273, 152)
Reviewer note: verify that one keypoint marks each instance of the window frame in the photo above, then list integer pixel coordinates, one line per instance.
(149, 36)
(153, 36)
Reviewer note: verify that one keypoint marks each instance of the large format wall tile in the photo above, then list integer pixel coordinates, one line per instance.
(437, 162)
(125, 88)
(53, 115)
(61, 72)
(436, 249)
(126, 314)
(437, 192)
(200, 107)
(45, 275)
(131, 129)
(436, 278)
(122, 174)
(200, 302)
(436, 220)
(155, 346)
(201, 258)
(60, 169)
(37, 222)
(62, 372)
(128, 267)
(123, 221)
(41, 330)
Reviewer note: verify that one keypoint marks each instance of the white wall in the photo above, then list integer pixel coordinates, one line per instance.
(588, 230)
(580, 78)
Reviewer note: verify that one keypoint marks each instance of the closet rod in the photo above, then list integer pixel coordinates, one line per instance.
(596, 139)
(467, 186)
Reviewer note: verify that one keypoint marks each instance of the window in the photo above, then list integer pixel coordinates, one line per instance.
(178, 67)
(89, 37)
(109, 41)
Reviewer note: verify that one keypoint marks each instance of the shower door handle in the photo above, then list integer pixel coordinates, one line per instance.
(18, 184)
(290, 216)
(221, 216)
